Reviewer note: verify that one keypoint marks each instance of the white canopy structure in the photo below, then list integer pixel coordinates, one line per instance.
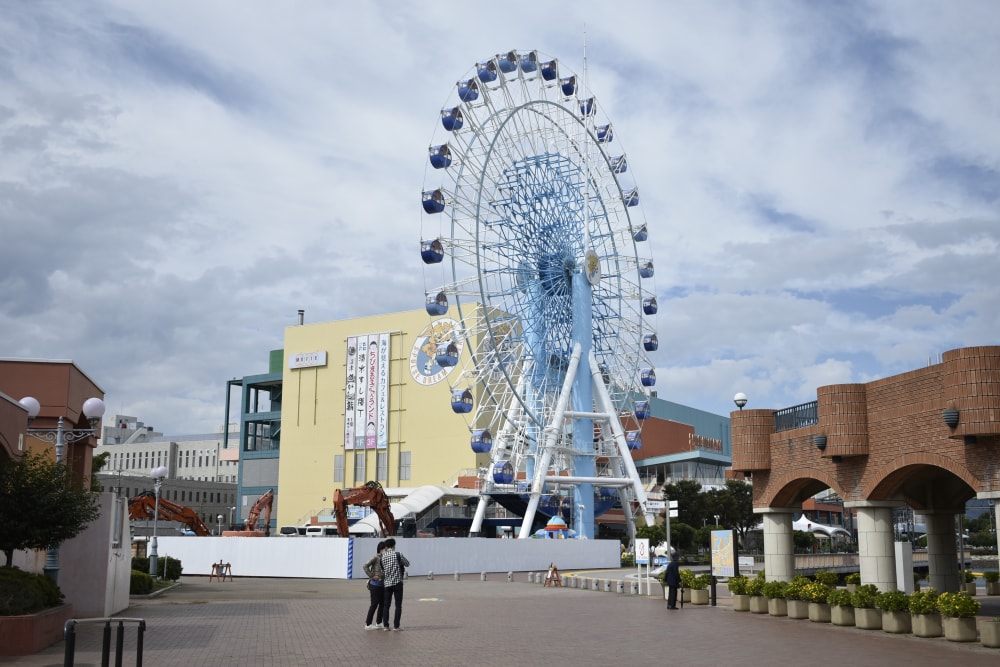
(807, 525)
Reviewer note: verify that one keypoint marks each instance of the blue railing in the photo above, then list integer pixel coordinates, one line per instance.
(796, 416)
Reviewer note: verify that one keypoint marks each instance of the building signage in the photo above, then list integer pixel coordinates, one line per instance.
(703, 443)
(424, 367)
(307, 359)
(366, 392)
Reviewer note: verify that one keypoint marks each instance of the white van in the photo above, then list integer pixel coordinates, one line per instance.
(321, 531)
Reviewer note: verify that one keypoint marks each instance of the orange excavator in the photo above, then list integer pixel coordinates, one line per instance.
(143, 506)
(371, 495)
(263, 504)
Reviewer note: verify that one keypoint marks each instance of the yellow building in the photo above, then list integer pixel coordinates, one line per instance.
(364, 399)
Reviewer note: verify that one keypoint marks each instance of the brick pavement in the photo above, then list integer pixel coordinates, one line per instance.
(250, 622)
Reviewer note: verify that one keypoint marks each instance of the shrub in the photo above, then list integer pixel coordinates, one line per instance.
(815, 591)
(924, 602)
(687, 578)
(140, 583)
(738, 585)
(774, 589)
(166, 567)
(853, 578)
(865, 596)
(957, 605)
(700, 582)
(991, 576)
(827, 577)
(839, 597)
(794, 589)
(26, 593)
(969, 577)
(755, 587)
(893, 601)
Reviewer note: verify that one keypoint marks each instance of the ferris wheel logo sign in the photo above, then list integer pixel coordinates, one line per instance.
(423, 356)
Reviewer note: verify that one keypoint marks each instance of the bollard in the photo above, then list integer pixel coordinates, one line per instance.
(482, 576)
(430, 576)
(458, 577)
(595, 584)
(633, 587)
(607, 585)
(568, 582)
(620, 587)
(510, 577)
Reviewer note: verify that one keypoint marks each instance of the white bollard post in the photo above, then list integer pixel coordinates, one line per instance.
(510, 577)
(430, 576)
(458, 576)
(482, 576)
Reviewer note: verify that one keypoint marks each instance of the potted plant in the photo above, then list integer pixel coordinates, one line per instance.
(687, 578)
(816, 593)
(853, 580)
(798, 606)
(755, 589)
(989, 633)
(970, 583)
(738, 589)
(958, 616)
(699, 588)
(895, 606)
(924, 617)
(992, 578)
(841, 609)
(774, 591)
(827, 577)
(866, 616)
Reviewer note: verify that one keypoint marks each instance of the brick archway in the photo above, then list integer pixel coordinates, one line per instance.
(793, 486)
(935, 473)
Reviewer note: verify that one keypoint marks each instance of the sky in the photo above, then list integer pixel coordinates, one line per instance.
(821, 180)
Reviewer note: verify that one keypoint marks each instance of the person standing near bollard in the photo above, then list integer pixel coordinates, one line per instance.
(393, 566)
(672, 578)
(376, 588)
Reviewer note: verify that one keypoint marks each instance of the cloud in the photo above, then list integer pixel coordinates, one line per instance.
(820, 182)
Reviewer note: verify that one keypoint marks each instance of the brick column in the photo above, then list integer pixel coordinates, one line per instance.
(942, 554)
(876, 552)
(779, 547)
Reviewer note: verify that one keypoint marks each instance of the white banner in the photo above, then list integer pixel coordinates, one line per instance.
(361, 393)
(371, 392)
(383, 390)
(350, 392)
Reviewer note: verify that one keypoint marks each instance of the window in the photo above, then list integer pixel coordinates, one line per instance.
(404, 465)
(338, 468)
(382, 462)
(359, 467)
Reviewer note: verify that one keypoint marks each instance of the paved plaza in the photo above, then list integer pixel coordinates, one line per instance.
(263, 622)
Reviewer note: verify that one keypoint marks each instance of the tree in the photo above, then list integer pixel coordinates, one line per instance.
(97, 465)
(690, 502)
(739, 507)
(39, 507)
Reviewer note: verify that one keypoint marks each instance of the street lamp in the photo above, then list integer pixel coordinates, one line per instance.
(93, 410)
(740, 399)
(157, 474)
(219, 521)
(716, 519)
(232, 511)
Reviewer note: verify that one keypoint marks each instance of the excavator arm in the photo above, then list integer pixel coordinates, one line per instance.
(372, 495)
(264, 504)
(143, 506)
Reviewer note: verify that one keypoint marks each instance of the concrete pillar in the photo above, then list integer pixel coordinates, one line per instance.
(942, 554)
(876, 551)
(779, 548)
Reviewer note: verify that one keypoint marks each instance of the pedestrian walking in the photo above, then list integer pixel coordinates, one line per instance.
(394, 565)
(376, 588)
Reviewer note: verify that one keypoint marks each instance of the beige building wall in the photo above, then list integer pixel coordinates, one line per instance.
(420, 421)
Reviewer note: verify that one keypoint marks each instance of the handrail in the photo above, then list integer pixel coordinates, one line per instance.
(796, 416)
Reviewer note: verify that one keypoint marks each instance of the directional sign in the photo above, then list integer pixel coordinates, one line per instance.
(642, 551)
(658, 505)
(674, 505)
(673, 514)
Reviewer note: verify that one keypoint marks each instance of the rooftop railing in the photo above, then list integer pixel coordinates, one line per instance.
(796, 416)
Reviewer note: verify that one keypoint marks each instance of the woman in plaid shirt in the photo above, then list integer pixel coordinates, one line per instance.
(392, 572)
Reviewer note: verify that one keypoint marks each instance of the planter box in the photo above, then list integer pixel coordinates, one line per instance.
(24, 635)
(896, 622)
(868, 619)
(758, 604)
(741, 603)
(777, 606)
(970, 589)
(989, 633)
(842, 614)
(685, 595)
(798, 609)
(699, 596)
(960, 629)
(819, 612)
(993, 588)
(926, 625)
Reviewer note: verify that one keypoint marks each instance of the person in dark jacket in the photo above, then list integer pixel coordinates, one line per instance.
(376, 589)
(672, 579)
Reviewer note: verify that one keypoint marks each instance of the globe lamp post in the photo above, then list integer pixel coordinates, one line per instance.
(157, 474)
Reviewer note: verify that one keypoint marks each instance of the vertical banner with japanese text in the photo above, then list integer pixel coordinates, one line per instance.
(383, 390)
(350, 391)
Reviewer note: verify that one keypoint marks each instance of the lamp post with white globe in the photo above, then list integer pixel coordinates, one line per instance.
(157, 474)
(740, 399)
(93, 410)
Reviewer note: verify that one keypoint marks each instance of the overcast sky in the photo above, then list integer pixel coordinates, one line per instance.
(177, 179)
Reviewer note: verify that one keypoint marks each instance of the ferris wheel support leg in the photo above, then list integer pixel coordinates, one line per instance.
(552, 431)
(604, 401)
(477, 519)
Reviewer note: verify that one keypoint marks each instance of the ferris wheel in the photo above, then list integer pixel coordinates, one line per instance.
(533, 241)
